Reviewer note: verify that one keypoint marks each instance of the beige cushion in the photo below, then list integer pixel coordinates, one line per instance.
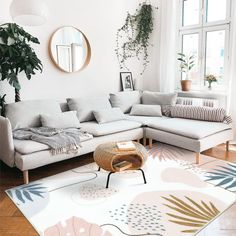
(156, 98)
(146, 110)
(108, 115)
(125, 100)
(86, 106)
(96, 129)
(27, 113)
(64, 120)
(194, 129)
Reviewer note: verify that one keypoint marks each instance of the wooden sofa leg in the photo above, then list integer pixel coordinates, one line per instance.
(26, 176)
(150, 143)
(197, 157)
(144, 141)
(227, 146)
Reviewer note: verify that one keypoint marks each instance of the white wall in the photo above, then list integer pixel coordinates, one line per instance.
(99, 21)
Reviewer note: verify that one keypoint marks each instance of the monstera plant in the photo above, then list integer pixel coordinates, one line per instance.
(17, 55)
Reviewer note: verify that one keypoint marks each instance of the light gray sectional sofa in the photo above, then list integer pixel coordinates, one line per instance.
(26, 155)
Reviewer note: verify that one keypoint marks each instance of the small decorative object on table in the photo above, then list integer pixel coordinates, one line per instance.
(186, 65)
(125, 146)
(210, 79)
(126, 81)
(110, 158)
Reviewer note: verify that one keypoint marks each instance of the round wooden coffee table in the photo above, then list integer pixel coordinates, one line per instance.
(110, 158)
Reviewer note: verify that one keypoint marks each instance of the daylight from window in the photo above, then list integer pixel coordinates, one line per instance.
(204, 32)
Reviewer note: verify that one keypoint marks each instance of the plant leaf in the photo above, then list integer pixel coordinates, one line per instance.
(225, 181)
(232, 185)
(27, 195)
(37, 193)
(185, 217)
(19, 195)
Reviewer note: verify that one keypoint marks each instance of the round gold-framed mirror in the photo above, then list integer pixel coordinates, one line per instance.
(69, 49)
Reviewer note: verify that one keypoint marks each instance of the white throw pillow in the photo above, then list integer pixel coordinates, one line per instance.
(108, 115)
(26, 113)
(146, 110)
(64, 120)
(157, 98)
(85, 106)
(125, 100)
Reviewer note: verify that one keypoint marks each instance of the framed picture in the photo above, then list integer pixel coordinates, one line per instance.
(126, 81)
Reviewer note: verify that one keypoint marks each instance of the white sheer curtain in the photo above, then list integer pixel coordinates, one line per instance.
(232, 70)
(168, 39)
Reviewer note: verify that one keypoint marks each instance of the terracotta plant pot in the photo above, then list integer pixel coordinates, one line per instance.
(186, 84)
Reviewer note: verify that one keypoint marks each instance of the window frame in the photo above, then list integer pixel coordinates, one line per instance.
(202, 28)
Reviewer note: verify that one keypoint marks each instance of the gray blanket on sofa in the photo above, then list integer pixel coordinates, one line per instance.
(59, 140)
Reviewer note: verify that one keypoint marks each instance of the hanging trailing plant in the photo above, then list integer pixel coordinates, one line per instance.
(133, 38)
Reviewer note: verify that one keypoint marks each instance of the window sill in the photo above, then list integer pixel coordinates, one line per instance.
(202, 92)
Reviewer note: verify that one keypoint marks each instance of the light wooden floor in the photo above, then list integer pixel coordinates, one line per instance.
(13, 223)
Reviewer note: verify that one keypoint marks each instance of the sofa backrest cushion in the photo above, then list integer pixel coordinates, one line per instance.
(157, 98)
(125, 100)
(27, 113)
(85, 106)
(108, 115)
(146, 110)
(64, 120)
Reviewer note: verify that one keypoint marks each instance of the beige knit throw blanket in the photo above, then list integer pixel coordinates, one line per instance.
(59, 140)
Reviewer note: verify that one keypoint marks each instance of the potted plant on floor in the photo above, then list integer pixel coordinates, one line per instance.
(17, 55)
(186, 65)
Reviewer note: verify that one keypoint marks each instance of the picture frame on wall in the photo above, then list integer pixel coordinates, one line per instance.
(126, 81)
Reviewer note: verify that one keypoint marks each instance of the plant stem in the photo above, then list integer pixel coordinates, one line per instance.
(17, 95)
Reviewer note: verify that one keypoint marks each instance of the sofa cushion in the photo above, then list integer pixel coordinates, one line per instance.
(29, 146)
(199, 113)
(146, 110)
(64, 120)
(85, 106)
(96, 129)
(157, 98)
(194, 129)
(108, 115)
(145, 120)
(27, 113)
(125, 100)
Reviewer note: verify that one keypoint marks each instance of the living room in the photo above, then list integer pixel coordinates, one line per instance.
(117, 117)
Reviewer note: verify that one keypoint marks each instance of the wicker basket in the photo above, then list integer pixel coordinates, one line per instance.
(108, 155)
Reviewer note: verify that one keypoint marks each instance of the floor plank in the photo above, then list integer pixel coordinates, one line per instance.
(13, 223)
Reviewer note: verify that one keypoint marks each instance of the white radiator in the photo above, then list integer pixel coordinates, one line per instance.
(198, 102)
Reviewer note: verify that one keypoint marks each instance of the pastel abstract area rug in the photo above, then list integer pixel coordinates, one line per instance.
(180, 198)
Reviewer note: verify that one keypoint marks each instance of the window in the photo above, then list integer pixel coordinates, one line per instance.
(204, 33)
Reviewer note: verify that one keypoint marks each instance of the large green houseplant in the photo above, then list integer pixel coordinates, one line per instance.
(17, 55)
